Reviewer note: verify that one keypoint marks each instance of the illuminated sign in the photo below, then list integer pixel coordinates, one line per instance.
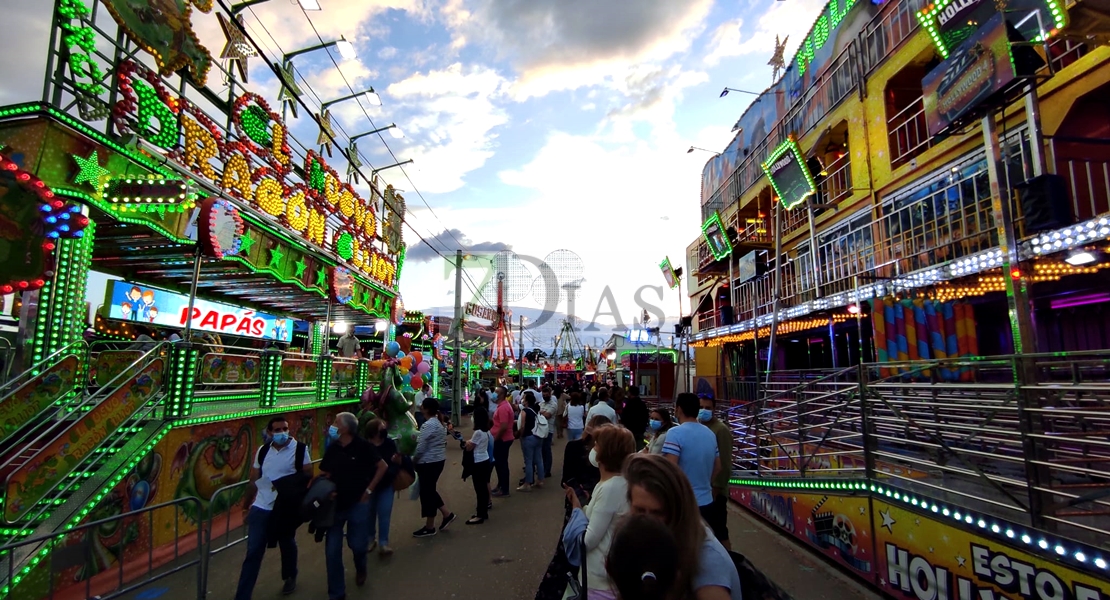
(830, 18)
(715, 236)
(150, 191)
(484, 312)
(789, 176)
(668, 272)
(975, 71)
(255, 164)
(951, 22)
(146, 305)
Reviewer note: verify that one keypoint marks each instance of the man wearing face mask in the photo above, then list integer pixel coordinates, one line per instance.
(355, 467)
(279, 469)
(718, 517)
(693, 447)
(502, 432)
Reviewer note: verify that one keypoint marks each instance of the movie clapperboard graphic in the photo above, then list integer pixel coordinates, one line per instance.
(836, 531)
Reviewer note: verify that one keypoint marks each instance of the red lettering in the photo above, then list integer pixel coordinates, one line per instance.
(212, 319)
(227, 321)
(185, 314)
(258, 327)
(244, 325)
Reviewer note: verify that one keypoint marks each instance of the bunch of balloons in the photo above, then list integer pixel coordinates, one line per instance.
(411, 367)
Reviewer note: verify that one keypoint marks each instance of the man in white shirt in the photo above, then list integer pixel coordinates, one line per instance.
(422, 394)
(271, 463)
(602, 408)
(549, 408)
(348, 346)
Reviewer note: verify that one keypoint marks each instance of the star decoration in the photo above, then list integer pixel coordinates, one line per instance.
(917, 522)
(290, 91)
(301, 266)
(323, 140)
(930, 549)
(245, 243)
(960, 560)
(353, 163)
(862, 510)
(89, 170)
(236, 50)
(888, 521)
(321, 277)
(365, 298)
(276, 255)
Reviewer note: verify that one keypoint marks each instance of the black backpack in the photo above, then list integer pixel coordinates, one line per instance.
(298, 459)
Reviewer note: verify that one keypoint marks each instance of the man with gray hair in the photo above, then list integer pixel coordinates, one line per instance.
(355, 467)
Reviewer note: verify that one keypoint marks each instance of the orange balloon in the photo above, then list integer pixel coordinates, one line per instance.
(417, 357)
(406, 362)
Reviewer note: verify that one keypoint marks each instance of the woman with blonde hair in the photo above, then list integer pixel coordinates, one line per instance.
(659, 489)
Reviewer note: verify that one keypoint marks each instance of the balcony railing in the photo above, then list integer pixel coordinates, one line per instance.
(837, 184)
(909, 134)
(1087, 179)
(886, 32)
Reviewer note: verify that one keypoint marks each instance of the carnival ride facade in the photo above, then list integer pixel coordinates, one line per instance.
(923, 180)
(139, 164)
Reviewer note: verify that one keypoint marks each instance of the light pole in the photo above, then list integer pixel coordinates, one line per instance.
(305, 5)
(371, 96)
(692, 148)
(398, 164)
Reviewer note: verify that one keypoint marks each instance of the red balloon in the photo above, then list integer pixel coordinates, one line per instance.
(416, 382)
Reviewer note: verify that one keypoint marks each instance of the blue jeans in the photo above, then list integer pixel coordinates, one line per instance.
(357, 520)
(574, 434)
(381, 509)
(533, 457)
(257, 522)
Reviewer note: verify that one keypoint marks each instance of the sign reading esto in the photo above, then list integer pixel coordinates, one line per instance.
(256, 167)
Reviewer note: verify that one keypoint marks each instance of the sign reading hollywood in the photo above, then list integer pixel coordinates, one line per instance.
(791, 179)
(143, 304)
(951, 22)
(974, 71)
(254, 164)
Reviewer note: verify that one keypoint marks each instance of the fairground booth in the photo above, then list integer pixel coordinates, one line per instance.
(232, 256)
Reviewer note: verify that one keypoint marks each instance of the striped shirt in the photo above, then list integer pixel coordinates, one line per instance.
(431, 445)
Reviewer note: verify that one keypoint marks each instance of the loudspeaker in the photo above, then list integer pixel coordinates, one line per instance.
(1044, 203)
(687, 321)
(726, 315)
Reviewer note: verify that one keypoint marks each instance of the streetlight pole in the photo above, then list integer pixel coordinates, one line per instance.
(456, 379)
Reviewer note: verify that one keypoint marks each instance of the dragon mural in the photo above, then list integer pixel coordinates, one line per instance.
(216, 461)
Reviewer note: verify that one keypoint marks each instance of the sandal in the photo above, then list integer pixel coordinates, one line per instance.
(475, 520)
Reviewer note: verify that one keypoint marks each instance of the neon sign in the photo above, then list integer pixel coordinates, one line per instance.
(830, 18)
(255, 165)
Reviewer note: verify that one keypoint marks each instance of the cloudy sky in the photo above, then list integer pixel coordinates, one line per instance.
(534, 124)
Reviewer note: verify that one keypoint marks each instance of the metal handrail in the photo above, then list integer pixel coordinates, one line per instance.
(9, 552)
(60, 425)
(39, 366)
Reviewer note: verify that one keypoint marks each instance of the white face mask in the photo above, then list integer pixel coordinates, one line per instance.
(593, 458)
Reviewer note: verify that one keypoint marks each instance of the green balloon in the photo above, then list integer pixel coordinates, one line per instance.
(395, 410)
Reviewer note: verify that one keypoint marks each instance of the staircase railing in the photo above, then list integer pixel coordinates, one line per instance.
(10, 386)
(35, 502)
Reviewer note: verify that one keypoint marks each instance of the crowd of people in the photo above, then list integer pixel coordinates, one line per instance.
(646, 494)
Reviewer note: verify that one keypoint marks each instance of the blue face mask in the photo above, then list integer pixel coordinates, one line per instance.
(281, 438)
(493, 397)
(655, 424)
(333, 432)
(705, 415)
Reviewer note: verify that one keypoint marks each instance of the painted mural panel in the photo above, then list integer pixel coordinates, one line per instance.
(838, 527)
(34, 396)
(196, 461)
(926, 557)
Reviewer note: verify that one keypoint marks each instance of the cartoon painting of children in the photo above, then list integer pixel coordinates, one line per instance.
(135, 295)
(125, 308)
(279, 329)
(148, 304)
(152, 314)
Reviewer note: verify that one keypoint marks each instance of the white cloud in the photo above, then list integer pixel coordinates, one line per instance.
(569, 44)
(449, 117)
(387, 53)
(781, 19)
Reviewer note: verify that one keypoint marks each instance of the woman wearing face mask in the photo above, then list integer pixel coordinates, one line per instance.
(659, 489)
(659, 423)
(430, 457)
(612, 445)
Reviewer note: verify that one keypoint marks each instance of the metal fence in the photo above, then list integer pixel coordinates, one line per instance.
(1022, 437)
(81, 550)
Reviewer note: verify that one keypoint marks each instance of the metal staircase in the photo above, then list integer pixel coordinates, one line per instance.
(63, 462)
